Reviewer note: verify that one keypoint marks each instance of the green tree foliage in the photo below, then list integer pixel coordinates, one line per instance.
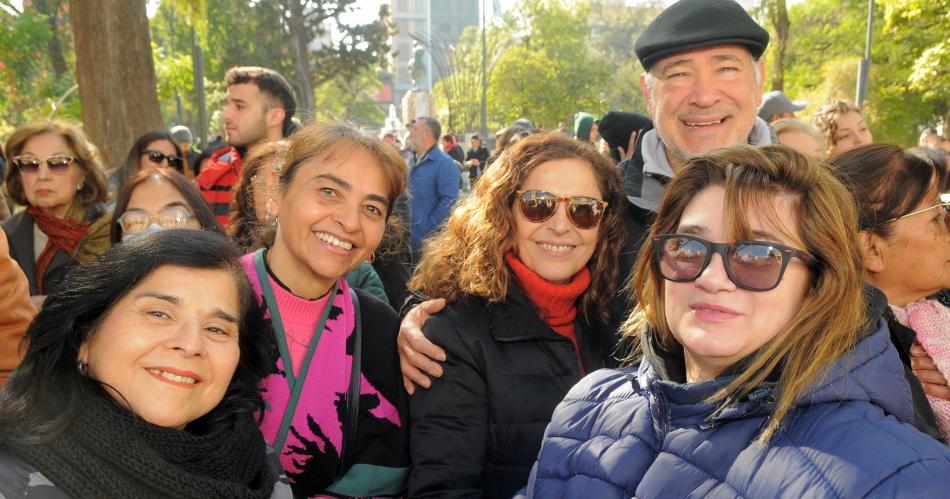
(910, 40)
(547, 60)
(257, 33)
(614, 33)
(548, 72)
(347, 99)
(459, 93)
(29, 86)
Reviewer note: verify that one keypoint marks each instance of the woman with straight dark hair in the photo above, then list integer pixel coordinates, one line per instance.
(141, 380)
(153, 150)
(156, 200)
(904, 220)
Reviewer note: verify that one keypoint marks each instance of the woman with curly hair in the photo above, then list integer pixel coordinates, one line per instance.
(526, 264)
(843, 126)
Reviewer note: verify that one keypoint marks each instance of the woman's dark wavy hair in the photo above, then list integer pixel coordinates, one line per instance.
(131, 165)
(185, 187)
(45, 393)
(888, 182)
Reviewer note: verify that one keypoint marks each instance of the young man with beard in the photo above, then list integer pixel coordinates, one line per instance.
(258, 108)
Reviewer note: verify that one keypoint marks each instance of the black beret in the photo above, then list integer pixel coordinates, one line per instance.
(690, 24)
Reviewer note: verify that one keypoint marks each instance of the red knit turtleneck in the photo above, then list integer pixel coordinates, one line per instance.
(556, 303)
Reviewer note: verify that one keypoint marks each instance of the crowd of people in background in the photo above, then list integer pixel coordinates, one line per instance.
(708, 297)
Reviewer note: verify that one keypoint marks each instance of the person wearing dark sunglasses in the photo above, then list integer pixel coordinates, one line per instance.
(526, 264)
(154, 149)
(55, 172)
(905, 238)
(763, 368)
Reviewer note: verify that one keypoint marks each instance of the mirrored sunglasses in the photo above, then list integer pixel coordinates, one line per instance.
(751, 265)
(539, 206)
(30, 165)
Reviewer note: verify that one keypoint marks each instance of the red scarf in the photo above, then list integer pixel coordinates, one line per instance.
(64, 235)
(556, 303)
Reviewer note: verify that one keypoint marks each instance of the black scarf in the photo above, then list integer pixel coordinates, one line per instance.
(109, 452)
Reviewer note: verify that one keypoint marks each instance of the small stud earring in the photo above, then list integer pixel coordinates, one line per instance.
(79, 186)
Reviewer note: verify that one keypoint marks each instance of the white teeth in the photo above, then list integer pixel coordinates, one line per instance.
(555, 249)
(694, 124)
(174, 377)
(334, 241)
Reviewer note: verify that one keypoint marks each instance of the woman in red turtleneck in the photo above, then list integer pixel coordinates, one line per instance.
(526, 264)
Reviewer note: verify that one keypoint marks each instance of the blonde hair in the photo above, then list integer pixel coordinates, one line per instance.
(826, 119)
(467, 256)
(795, 125)
(94, 188)
(833, 310)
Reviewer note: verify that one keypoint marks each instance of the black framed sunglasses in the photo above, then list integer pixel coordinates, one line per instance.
(584, 212)
(31, 165)
(157, 157)
(751, 265)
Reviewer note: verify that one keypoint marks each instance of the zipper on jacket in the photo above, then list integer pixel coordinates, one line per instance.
(661, 418)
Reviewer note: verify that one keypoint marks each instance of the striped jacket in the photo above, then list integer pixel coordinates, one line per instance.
(217, 181)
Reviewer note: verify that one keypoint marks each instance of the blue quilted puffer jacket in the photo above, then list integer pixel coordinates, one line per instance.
(629, 433)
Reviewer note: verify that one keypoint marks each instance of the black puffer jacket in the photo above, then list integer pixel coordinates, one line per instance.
(477, 430)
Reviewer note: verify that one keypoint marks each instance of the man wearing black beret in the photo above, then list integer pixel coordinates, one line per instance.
(702, 84)
(703, 87)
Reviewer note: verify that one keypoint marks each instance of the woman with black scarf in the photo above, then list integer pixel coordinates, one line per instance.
(140, 380)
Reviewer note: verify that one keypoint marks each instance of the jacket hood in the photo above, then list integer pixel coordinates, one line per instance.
(871, 371)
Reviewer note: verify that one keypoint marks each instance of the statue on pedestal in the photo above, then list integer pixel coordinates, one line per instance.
(417, 101)
(417, 66)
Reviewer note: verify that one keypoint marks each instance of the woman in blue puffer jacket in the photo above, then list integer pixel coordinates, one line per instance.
(764, 369)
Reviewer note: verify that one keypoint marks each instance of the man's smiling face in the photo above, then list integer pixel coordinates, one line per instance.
(703, 99)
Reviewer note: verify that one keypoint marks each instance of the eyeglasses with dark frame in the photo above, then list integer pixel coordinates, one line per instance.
(30, 165)
(750, 265)
(157, 157)
(584, 212)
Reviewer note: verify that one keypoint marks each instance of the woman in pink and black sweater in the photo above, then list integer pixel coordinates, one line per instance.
(526, 265)
(336, 412)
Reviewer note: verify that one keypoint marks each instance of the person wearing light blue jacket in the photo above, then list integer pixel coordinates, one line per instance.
(764, 367)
